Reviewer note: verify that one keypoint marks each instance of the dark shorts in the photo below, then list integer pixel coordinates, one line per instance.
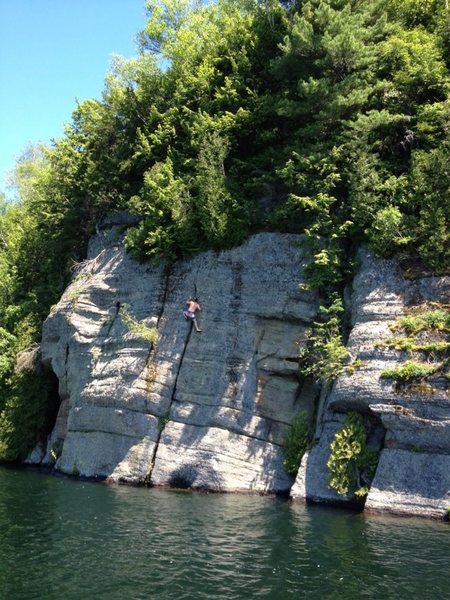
(189, 315)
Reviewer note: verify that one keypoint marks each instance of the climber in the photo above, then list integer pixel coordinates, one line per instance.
(189, 314)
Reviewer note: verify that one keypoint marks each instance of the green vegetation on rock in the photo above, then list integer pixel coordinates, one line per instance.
(410, 370)
(352, 463)
(139, 329)
(421, 321)
(296, 442)
(324, 354)
(426, 335)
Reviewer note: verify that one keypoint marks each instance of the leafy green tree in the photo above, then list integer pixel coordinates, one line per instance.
(388, 232)
(325, 355)
(7, 355)
(166, 229)
(412, 13)
(430, 177)
(296, 443)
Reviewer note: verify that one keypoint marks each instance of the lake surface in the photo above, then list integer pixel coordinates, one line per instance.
(64, 539)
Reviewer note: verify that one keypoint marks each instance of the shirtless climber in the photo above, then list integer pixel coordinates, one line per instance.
(189, 314)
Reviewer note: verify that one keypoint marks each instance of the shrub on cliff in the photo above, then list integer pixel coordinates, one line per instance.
(296, 442)
(351, 462)
(324, 354)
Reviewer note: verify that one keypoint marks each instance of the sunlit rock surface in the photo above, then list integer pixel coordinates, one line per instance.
(410, 423)
(204, 410)
(211, 410)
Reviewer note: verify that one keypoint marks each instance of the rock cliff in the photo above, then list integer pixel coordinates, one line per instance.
(410, 423)
(211, 410)
(203, 410)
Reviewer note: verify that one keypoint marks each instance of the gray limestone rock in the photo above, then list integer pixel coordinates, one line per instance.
(412, 474)
(411, 483)
(207, 410)
(218, 459)
(312, 479)
(211, 410)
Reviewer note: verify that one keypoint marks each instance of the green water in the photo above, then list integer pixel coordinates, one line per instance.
(63, 539)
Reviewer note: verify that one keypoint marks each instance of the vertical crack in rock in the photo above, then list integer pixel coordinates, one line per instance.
(168, 274)
(319, 424)
(232, 368)
(66, 359)
(66, 369)
(162, 300)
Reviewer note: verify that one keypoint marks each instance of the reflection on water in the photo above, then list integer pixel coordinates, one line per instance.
(79, 540)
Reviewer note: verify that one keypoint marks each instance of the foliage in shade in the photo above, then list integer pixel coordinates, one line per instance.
(24, 415)
(296, 442)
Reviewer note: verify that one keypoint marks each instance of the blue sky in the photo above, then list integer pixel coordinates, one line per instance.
(53, 52)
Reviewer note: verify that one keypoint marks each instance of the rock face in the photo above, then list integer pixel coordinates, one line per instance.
(203, 410)
(211, 410)
(413, 473)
